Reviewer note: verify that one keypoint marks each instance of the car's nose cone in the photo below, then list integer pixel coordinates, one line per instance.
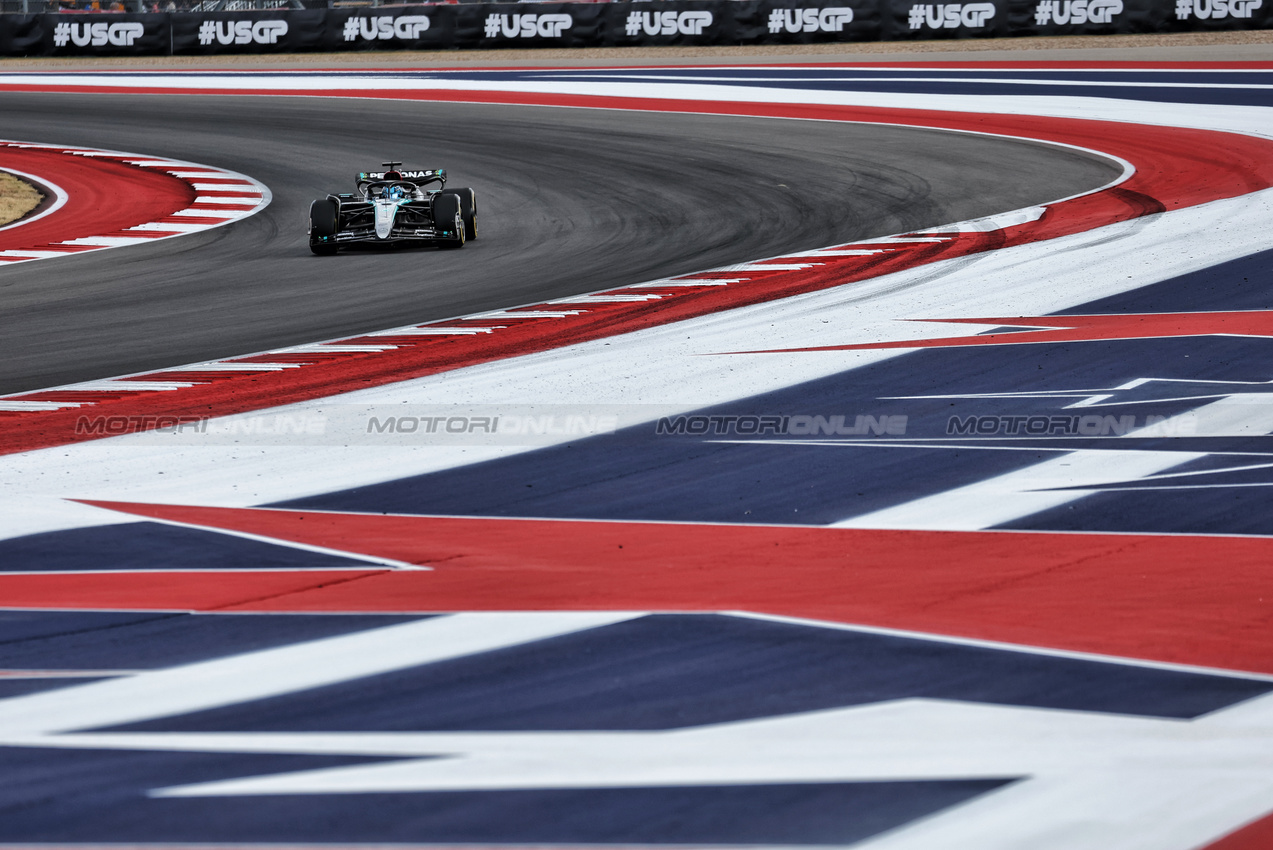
(385, 212)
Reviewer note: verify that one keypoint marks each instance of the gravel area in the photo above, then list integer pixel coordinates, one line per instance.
(17, 198)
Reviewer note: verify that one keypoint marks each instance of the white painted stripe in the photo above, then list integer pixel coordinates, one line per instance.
(1238, 415)
(434, 331)
(156, 227)
(770, 267)
(1035, 651)
(19, 406)
(106, 241)
(224, 215)
(672, 284)
(529, 314)
(841, 252)
(994, 222)
(604, 299)
(222, 366)
(323, 348)
(243, 188)
(273, 672)
(238, 201)
(1004, 498)
(39, 255)
(368, 565)
(229, 423)
(920, 77)
(126, 386)
(903, 240)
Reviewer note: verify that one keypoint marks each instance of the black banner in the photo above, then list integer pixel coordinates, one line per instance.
(85, 35)
(249, 32)
(620, 24)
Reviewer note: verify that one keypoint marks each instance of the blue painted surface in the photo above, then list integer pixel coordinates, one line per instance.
(154, 546)
(674, 671)
(110, 640)
(17, 687)
(68, 796)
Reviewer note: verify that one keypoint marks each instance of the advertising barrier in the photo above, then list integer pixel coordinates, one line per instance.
(621, 24)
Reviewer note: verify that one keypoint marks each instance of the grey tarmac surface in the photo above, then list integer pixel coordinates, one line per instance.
(570, 201)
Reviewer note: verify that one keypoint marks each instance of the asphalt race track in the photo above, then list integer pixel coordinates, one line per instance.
(804, 456)
(571, 201)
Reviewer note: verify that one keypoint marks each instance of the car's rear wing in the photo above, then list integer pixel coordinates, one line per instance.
(419, 178)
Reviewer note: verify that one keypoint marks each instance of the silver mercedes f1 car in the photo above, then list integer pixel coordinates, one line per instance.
(394, 207)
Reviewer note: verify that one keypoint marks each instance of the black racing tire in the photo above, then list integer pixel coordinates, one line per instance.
(468, 208)
(448, 218)
(324, 221)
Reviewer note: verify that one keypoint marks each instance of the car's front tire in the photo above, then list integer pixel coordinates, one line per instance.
(468, 210)
(448, 218)
(324, 221)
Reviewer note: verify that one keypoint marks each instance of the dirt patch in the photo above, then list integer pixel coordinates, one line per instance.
(17, 198)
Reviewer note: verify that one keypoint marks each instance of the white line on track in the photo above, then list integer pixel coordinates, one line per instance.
(283, 670)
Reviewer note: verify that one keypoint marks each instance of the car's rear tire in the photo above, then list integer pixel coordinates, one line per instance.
(448, 218)
(324, 221)
(468, 209)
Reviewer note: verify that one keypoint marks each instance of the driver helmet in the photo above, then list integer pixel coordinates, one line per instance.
(396, 193)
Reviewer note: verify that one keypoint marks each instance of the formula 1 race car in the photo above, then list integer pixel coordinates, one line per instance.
(392, 207)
